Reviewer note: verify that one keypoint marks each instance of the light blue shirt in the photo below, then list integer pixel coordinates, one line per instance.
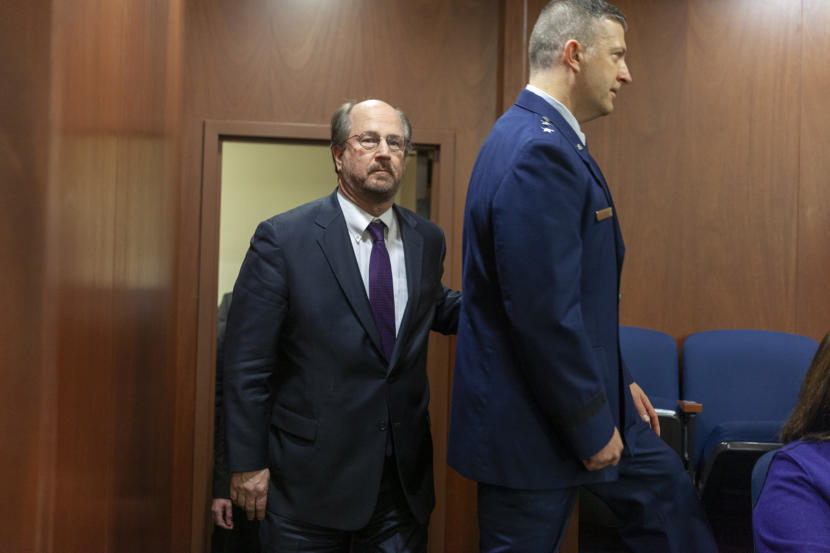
(560, 107)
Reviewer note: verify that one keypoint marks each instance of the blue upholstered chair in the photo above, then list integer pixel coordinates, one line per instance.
(748, 382)
(651, 357)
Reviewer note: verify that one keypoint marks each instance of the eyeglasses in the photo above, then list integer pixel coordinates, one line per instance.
(370, 141)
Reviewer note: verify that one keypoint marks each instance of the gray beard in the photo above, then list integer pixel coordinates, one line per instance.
(376, 195)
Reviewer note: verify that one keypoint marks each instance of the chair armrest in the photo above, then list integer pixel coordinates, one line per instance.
(689, 406)
(688, 410)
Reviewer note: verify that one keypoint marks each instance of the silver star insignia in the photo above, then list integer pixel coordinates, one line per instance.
(547, 129)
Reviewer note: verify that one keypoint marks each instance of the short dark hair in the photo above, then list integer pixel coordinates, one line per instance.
(563, 20)
(810, 419)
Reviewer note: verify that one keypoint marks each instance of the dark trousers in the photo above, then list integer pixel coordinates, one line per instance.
(244, 538)
(653, 498)
(392, 528)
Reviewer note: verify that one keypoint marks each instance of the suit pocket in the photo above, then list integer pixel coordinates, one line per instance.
(293, 423)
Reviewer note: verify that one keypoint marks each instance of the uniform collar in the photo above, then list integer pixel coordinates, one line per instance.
(560, 107)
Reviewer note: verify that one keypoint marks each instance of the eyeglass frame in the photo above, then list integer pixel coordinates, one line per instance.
(407, 146)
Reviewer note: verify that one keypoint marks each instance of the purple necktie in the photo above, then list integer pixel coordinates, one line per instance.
(381, 295)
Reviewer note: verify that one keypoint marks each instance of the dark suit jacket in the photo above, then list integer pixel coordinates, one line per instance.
(308, 390)
(538, 382)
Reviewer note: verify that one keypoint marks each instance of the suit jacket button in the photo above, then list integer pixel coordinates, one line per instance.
(382, 426)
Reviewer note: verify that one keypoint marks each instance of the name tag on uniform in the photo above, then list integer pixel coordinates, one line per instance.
(604, 214)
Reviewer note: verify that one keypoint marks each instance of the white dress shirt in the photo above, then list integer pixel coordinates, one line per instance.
(356, 222)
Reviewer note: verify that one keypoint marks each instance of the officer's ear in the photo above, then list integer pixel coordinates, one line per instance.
(572, 54)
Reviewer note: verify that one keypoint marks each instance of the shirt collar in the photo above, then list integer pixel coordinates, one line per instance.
(358, 219)
(560, 107)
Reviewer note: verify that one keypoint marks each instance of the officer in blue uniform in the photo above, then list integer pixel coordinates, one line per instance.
(542, 402)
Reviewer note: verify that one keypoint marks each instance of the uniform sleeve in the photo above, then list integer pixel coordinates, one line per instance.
(537, 221)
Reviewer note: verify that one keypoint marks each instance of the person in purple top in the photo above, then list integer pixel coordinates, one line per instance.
(793, 511)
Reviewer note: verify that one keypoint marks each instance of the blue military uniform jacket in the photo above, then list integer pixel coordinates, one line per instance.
(538, 383)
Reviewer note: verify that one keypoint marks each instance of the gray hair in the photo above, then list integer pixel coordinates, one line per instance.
(341, 124)
(563, 20)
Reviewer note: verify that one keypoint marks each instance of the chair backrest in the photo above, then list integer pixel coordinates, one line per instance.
(651, 357)
(743, 375)
(759, 474)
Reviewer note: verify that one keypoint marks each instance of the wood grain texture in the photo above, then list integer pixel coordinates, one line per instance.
(813, 262)
(513, 50)
(518, 19)
(702, 154)
(113, 175)
(26, 378)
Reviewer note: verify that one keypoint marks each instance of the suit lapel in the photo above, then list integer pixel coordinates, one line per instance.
(413, 247)
(334, 241)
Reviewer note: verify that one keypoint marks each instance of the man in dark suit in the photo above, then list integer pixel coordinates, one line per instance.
(542, 402)
(325, 356)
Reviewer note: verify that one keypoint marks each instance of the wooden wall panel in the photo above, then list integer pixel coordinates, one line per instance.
(702, 155)
(91, 147)
(518, 18)
(26, 382)
(813, 266)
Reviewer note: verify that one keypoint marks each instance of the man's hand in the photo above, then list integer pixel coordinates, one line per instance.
(222, 510)
(644, 407)
(249, 490)
(608, 455)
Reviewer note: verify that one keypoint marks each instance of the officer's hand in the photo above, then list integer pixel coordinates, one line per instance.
(608, 455)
